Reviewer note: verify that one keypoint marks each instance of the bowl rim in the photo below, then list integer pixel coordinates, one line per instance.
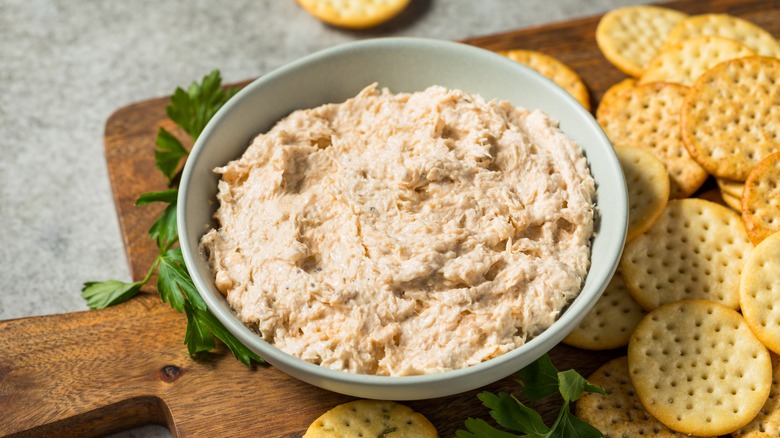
(576, 310)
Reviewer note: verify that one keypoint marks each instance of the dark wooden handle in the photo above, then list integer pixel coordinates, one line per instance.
(87, 373)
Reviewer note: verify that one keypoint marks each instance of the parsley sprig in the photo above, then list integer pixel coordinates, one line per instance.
(539, 380)
(190, 109)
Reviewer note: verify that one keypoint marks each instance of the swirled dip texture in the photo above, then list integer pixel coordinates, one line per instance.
(400, 234)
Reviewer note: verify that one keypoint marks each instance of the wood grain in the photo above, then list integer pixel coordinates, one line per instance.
(93, 373)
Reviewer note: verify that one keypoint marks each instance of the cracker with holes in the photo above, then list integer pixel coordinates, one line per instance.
(648, 116)
(371, 418)
(607, 100)
(753, 37)
(611, 321)
(648, 187)
(698, 369)
(621, 414)
(733, 188)
(731, 200)
(629, 37)
(730, 118)
(761, 199)
(695, 250)
(553, 69)
(685, 61)
(731, 192)
(759, 292)
(767, 422)
(354, 14)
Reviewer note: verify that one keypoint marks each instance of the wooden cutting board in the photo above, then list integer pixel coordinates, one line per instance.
(96, 372)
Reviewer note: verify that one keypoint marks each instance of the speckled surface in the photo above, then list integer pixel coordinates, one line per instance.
(65, 66)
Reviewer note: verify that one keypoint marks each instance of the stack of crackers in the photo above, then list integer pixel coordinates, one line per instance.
(697, 295)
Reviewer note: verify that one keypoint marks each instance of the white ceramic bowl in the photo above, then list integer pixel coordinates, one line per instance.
(403, 65)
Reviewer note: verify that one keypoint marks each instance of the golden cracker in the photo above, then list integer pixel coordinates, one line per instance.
(648, 187)
(698, 369)
(354, 14)
(611, 321)
(685, 61)
(761, 199)
(767, 422)
(733, 188)
(731, 192)
(607, 100)
(554, 70)
(759, 292)
(695, 250)
(621, 414)
(629, 37)
(731, 201)
(750, 35)
(371, 418)
(648, 116)
(730, 118)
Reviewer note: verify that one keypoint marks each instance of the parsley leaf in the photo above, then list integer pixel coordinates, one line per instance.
(209, 321)
(101, 294)
(169, 196)
(174, 282)
(481, 428)
(164, 230)
(168, 154)
(570, 426)
(192, 109)
(572, 385)
(197, 337)
(539, 379)
(510, 413)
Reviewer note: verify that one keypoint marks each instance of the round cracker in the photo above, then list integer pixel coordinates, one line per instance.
(607, 100)
(733, 188)
(761, 199)
(354, 14)
(553, 69)
(611, 321)
(759, 292)
(648, 187)
(629, 37)
(731, 201)
(371, 418)
(621, 414)
(730, 118)
(648, 116)
(695, 250)
(698, 368)
(731, 192)
(767, 422)
(753, 37)
(685, 61)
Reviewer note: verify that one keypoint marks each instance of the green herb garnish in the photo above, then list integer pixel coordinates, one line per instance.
(190, 110)
(540, 379)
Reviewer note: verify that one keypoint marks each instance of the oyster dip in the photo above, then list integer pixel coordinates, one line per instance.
(403, 234)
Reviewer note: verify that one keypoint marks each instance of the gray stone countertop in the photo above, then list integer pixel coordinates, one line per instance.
(65, 66)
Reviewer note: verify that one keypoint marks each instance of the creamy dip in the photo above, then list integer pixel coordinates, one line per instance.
(401, 234)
